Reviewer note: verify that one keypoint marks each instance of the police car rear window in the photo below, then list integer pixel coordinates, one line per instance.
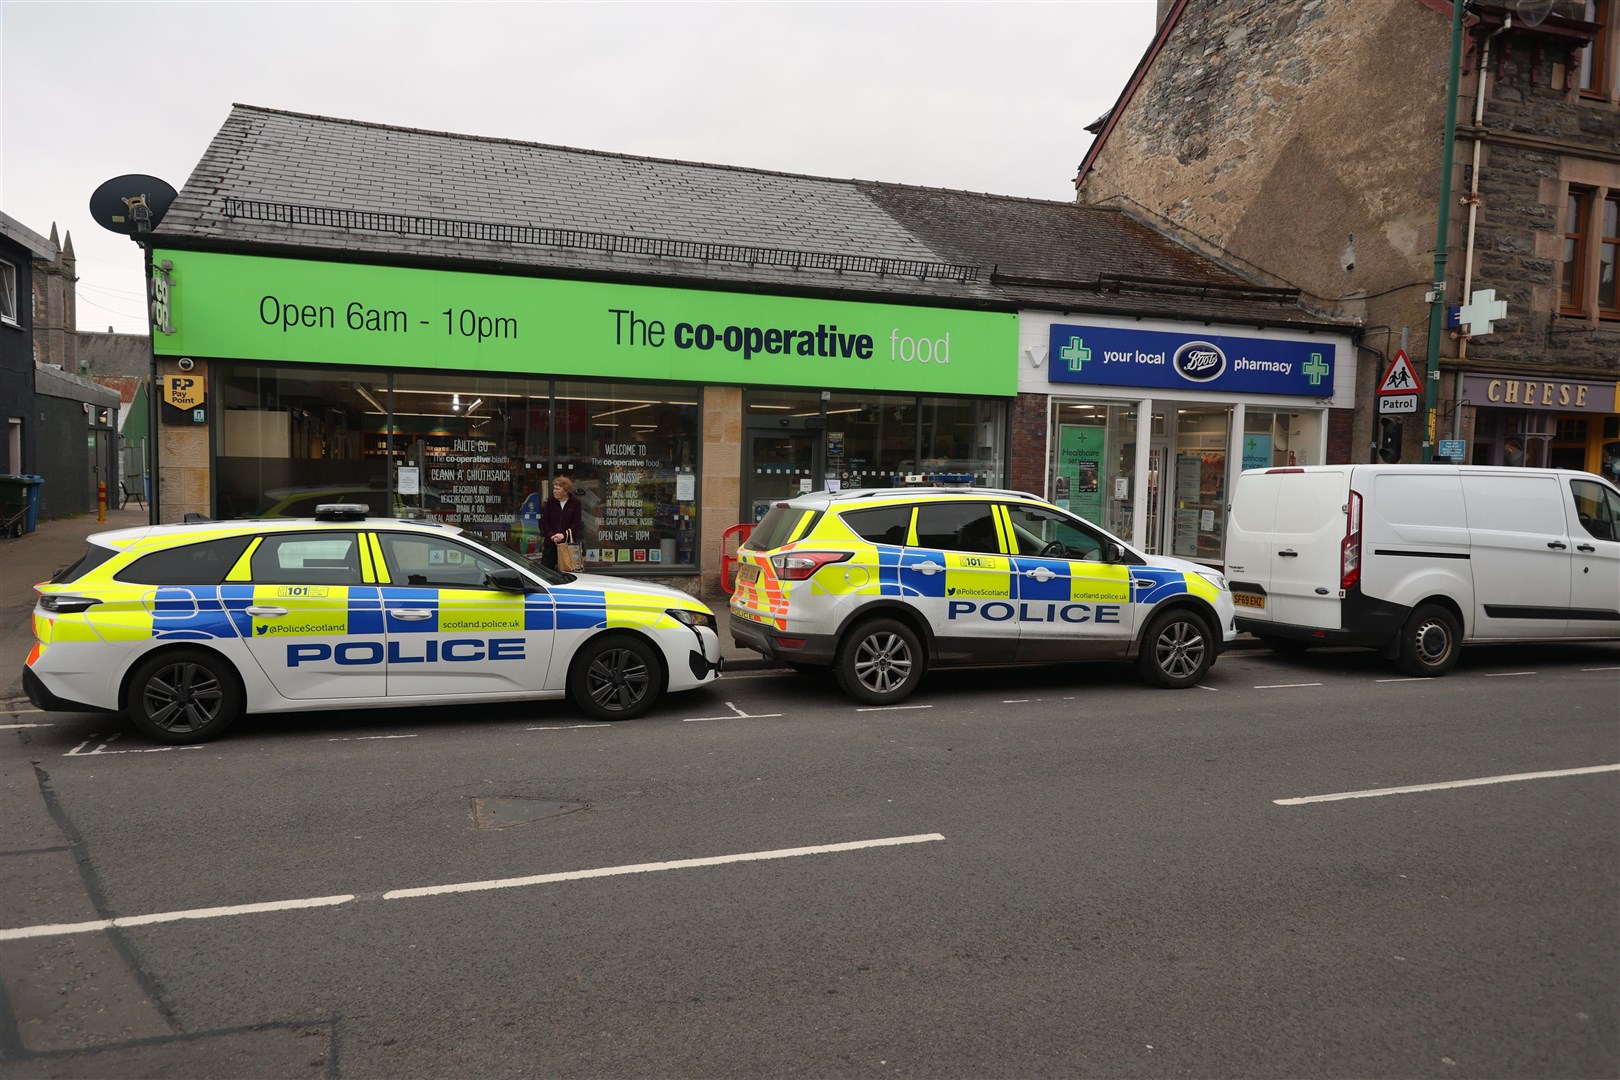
(94, 555)
(206, 563)
(774, 529)
(881, 524)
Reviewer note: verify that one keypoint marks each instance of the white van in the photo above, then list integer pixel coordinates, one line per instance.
(1416, 560)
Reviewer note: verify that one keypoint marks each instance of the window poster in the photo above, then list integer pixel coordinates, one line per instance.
(1081, 450)
(1256, 451)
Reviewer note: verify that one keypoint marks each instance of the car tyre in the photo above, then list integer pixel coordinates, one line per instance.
(615, 678)
(184, 696)
(880, 662)
(1177, 650)
(1429, 642)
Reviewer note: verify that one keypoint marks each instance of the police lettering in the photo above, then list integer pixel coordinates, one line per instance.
(1001, 611)
(361, 653)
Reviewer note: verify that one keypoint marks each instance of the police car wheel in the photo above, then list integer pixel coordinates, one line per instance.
(1176, 650)
(615, 678)
(1429, 642)
(184, 696)
(879, 662)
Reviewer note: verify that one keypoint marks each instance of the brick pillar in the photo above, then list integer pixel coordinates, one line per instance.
(721, 480)
(1026, 466)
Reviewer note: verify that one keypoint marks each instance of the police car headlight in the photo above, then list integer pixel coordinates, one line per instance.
(692, 618)
(67, 605)
(1215, 578)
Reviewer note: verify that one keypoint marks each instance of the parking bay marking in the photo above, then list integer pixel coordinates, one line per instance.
(1512, 778)
(893, 708)
(19, 727)
(737, 714)
(101, 751)
(1287, 685)
(61, 929)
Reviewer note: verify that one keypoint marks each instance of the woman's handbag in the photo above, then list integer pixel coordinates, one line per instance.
(570, 558)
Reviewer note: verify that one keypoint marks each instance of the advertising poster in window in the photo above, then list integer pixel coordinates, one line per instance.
(1257, 451)
(1080, 456)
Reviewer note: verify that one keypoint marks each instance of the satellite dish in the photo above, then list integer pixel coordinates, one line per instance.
(132, 204)
(1532, 12)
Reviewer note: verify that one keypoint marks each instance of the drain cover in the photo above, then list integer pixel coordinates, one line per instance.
(499, 812)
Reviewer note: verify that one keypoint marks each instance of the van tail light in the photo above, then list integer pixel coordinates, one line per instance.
(799, 565)
(1350, 550)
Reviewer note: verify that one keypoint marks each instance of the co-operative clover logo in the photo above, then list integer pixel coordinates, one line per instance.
(1075, 354)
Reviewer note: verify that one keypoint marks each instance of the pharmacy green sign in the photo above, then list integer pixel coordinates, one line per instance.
(293, 310)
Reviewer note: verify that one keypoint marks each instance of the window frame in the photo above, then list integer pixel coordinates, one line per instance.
(1596, 67)
(10, 314)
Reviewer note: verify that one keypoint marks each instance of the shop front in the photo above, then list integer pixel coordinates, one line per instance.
(1148, 424)
(457, 396)
(1554, 423)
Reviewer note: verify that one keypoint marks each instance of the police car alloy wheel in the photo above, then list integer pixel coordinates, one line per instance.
(880, 662)
(183, 696)
(1176, 650)
(615, 678)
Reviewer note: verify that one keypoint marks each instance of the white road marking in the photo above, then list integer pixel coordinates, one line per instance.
(57, 929)
(1287, 685)
(1417, 678)
(1201, 686)
(1600, 669)
(1015, 701)
(20, 712)
(364, 738)
(567, 727)
(102, 751)
(1506, 674)
(892, 708)
(648, 868)
(19, 727)
(61, 929)
(736, 714)
(1375, 792)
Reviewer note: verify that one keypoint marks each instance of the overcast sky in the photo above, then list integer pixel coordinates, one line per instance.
(977, 96)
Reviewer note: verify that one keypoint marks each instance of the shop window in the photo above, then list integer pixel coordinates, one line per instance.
(8, 293)
(1093, 462)
(875, 436)
(631, 450)
(1591, 253)
(961, 440)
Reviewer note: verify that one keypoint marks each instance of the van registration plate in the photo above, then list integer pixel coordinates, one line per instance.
(1248, 600)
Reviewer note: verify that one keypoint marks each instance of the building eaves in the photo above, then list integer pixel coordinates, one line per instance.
(22, 235)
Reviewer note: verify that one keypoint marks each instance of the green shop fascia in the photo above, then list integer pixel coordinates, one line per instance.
(459, 395)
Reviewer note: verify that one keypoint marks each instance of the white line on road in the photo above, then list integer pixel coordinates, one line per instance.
(1015, 701)
(20, 712)
(1375, 792)
(1505, 674)
(60, 929)
(1413, 679)
(647, 868)
(19, 727)
(1287, 685)
(737, 714)
(1600, 669)
(567, 727)
(892, 708)
(365, 738)
(102, 751)
(1201, 686)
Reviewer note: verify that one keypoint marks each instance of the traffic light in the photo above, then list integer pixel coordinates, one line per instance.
(1390, 432)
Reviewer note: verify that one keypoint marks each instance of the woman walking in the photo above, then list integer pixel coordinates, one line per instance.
(560, 520)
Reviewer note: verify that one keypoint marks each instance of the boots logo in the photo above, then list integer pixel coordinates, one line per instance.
(1199, 361)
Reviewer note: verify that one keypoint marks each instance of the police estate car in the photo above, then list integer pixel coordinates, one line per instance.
(881, 584)
(184, 627)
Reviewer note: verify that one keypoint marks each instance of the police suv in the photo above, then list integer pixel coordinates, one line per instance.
(184, 627)
(881, 584)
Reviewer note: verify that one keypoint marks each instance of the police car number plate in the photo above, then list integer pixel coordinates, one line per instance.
(748, 574)
(1243, 599)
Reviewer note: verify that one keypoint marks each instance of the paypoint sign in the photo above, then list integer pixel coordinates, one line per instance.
(259, 308)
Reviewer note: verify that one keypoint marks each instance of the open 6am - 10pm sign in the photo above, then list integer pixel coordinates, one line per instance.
(289, 310)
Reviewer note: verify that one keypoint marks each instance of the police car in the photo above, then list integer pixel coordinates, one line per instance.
(881, 584)
(185, 627)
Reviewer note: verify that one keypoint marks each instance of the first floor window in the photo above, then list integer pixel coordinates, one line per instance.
(1591, 253)
(8, 292)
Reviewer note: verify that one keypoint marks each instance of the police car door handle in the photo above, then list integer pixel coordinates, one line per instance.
(266, 612)
(928, 567)
(411, 614)
(1040, 573)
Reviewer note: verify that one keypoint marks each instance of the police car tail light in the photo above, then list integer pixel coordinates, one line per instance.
(60, 604)
(1350, 550)
(799, 565)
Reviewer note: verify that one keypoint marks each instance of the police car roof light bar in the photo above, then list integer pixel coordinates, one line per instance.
(341, 512)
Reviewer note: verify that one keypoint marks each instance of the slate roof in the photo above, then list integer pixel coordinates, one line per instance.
(277, 181)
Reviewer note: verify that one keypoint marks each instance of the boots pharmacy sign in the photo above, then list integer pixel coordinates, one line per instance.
(1111, 356)
(291, 310)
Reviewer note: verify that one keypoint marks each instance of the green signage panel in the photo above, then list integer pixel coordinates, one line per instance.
(291, 310)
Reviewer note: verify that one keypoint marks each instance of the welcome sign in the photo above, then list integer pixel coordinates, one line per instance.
(1109, 356)
(291, 310)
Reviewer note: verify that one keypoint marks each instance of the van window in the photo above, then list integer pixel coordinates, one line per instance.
(1502, 502)
(1598, 509)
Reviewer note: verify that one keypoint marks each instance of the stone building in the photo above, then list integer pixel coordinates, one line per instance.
(1303, 145)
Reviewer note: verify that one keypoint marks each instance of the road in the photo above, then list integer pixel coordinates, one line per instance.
(1077, 875)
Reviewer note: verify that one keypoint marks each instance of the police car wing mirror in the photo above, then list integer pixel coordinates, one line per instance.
(507, 581)
(1116, 553)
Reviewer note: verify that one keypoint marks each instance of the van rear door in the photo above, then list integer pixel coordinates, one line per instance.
(1248, 543)
(1307, 541)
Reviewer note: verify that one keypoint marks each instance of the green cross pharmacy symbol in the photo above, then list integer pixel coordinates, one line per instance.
(1076, 353)
(1316, 369)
